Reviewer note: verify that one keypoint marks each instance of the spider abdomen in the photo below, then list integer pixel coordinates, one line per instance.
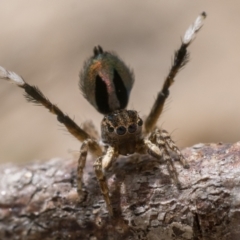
(106, 81)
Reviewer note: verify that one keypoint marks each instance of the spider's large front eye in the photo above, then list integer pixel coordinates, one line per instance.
(140, 122)
(132, 128)
(121, 130)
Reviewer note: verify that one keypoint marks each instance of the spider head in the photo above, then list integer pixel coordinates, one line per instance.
(122, 129)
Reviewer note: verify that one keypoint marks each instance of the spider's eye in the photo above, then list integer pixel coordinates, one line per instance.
(110, 129)
(140, 122)
(121, 130)
(132, 128)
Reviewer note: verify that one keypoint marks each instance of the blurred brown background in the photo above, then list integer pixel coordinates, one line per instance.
(47, 42)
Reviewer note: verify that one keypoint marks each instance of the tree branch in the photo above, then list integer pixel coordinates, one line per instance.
(39, 200)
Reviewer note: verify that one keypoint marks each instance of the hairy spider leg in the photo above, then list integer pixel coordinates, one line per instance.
(100, 165)
(34, 95)
(181, 57)
(158, 144)
(81, 164)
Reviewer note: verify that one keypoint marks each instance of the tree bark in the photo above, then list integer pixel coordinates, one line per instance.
(39, 200)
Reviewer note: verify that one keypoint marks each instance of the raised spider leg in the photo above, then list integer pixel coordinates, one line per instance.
(34, 95)
(181, 57)
(100, 165)
(158, 146)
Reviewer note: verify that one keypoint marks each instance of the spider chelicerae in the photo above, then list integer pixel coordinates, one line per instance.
(106, 82)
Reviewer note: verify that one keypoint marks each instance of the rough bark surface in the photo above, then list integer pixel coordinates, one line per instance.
(39, 200)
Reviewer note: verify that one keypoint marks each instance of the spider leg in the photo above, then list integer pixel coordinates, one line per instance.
(100, 165)
(81, 163)
(171, 145)
(34, 95)
(158, 146)
(171, 168)
(181, 57)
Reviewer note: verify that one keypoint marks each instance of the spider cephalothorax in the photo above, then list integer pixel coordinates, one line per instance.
(106, 82)
(122, 129)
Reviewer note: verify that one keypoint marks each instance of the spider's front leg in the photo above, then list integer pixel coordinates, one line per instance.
(159, 144)
(101, 165)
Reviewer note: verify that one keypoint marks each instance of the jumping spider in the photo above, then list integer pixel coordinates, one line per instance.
(106, 82)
